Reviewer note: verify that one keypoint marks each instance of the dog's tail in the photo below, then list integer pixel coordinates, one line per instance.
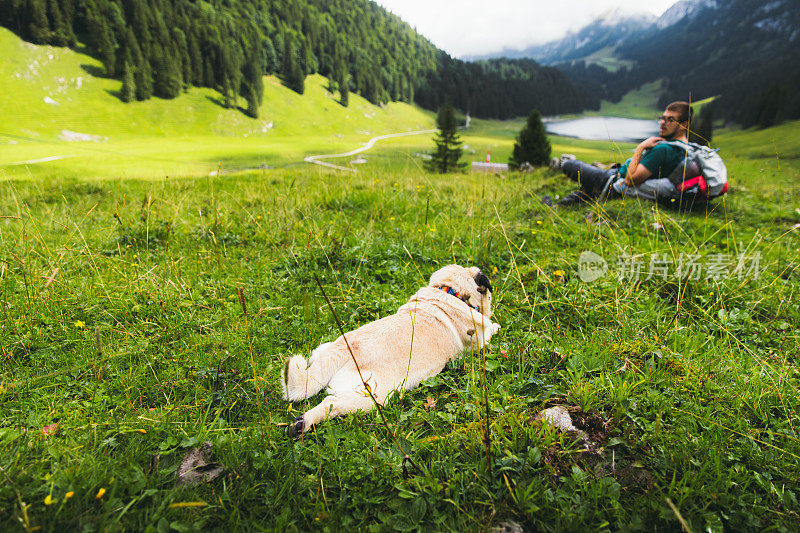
(301, 380)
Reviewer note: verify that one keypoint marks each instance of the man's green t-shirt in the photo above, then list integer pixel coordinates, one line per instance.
(661, 160)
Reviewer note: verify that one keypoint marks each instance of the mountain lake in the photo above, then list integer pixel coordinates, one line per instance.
(603, 128)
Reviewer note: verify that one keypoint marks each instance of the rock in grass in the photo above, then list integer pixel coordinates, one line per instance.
(196, 466)
(558, 417)
(507, 526)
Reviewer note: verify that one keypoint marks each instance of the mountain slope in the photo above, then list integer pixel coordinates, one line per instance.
(159, 47)
(745, 51)
(53, 108)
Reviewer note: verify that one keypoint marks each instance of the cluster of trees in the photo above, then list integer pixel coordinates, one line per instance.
(531, 147)
(160, 47)
(502, 88)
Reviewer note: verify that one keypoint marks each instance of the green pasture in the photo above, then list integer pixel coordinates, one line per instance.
(147, 306)
(56, 107)
(122, 325)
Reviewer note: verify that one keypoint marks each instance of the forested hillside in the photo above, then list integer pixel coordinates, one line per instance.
(159, 47)
(744, 51)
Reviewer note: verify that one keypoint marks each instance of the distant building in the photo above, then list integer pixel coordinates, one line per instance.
(479, 166)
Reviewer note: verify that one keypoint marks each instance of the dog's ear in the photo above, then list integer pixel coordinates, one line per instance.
(483, 283)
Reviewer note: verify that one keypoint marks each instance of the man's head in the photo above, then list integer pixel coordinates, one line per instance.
(675, 122)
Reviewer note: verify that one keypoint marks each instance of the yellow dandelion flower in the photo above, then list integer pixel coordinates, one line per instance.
(539, 222)
(48, 500)
(391, 218)
(559, 273)
(100, 493)
(69, 495)
(80, 324)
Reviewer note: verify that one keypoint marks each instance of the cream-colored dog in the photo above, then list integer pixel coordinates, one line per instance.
(394, 353)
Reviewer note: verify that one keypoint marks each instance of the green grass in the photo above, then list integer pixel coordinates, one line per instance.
(637, 103)
(195, 134)
(605, 57)
(120, 322)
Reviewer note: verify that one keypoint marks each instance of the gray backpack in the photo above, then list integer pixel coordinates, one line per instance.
(702, 175)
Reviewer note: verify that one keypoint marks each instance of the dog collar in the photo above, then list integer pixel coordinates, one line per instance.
(453, 292)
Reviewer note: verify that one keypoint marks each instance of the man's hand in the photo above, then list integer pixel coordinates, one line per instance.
(636, 173)
(649, 143)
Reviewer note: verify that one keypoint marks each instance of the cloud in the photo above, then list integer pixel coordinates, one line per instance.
(466, 27)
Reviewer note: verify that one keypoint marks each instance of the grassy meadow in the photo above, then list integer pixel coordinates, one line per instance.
(146, 309)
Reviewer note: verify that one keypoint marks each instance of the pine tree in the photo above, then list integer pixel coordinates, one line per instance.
(128, 84)
(167, 77)
(270, 58)
(143, 78)
(343, 81)
(38, 27)
(701, 130)
(448, 144)
(252, 104)
(532, 145)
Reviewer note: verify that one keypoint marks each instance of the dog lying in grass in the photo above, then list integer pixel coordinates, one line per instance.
(394, 353)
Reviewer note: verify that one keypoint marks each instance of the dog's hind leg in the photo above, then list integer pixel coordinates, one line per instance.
(301, 379)
(332, 406)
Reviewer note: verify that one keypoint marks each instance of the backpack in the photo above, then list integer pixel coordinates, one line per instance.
(702, 176)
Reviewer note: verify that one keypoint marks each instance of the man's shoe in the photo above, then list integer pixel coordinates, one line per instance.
(575, 197)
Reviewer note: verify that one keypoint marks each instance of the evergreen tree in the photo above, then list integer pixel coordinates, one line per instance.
(58, 35)
(128, 92)
(270, 59)
(532, 145)
(228, 97)
(448, 144)
(166, 77)
(769, 105)
(293, 75)
(252, 104)
(343, 81)
(143, 79)
(38, 26)
(701, 130)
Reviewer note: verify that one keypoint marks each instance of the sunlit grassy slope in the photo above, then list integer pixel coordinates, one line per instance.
(50, 94)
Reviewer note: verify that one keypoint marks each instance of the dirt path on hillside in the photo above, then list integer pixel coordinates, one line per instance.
(315, 159)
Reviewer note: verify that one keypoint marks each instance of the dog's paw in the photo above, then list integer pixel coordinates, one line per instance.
(295, 429)
(495, 328)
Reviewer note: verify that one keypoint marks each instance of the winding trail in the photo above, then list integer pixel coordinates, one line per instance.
(315, 159)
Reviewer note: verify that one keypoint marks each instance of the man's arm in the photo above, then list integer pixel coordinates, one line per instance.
(637, 173)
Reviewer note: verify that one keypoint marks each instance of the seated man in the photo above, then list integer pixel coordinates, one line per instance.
(642, 176)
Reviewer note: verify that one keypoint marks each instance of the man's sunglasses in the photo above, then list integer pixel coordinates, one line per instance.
(668, 120)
